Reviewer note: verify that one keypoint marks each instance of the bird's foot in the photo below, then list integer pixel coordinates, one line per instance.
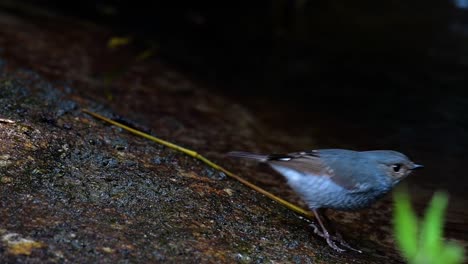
(333, 240)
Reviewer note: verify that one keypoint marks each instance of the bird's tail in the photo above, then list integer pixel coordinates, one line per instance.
(247, 155)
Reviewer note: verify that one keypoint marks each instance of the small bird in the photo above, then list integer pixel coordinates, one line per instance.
(338, 179)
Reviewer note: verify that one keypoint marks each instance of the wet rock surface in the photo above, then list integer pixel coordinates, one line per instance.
(74, 189)
(87, 191)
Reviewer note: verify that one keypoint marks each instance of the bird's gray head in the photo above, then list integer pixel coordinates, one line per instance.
(395, 164)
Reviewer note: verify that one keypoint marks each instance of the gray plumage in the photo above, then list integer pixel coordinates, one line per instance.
(337, 178)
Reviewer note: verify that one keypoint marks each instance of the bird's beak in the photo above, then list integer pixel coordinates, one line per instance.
(417, 166)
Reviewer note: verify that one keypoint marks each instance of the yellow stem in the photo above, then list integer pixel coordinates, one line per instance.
(194, 154)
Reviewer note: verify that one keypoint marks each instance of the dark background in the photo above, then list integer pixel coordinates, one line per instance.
(378, 58)
(370, 74)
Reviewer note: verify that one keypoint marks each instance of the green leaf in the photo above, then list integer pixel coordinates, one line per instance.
(406, 225)
(452, 254)
(427, 246)
(432, 226)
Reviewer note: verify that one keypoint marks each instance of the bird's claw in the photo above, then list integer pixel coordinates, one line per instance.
(333, 240)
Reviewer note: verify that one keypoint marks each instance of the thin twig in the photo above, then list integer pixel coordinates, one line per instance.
(194, 154)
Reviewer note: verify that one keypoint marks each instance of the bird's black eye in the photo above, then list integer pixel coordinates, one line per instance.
(396, 167)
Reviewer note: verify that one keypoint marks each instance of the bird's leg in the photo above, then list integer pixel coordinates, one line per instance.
(324, 233)
(331, 240)
(316, 229)
(338, 237)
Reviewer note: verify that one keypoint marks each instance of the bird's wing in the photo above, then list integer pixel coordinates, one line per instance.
(310, 163)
